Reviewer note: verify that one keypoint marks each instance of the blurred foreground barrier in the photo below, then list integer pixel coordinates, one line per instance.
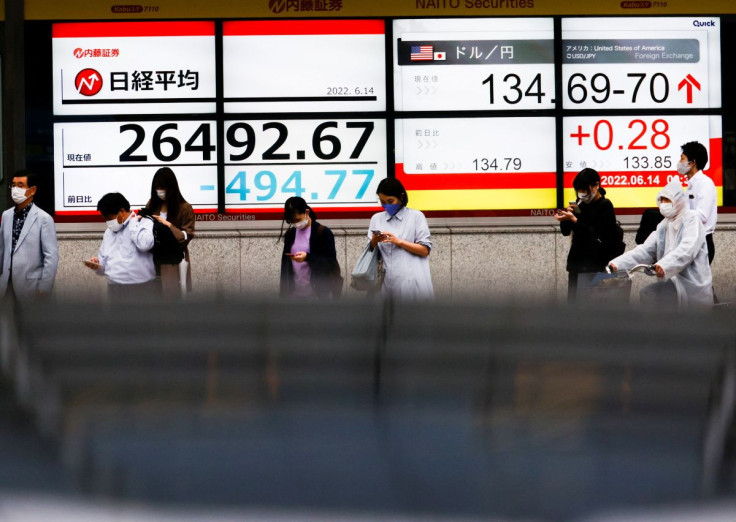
(497, 367)
(363, 350)
(190, 351)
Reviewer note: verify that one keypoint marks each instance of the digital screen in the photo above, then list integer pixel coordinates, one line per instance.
(477, 163)
(250, 113)
(637, 155)
(304, 66)
(133, 68)
(160, 68)
(334, 164)
(474, 64)
(94, 158)
(642, 63)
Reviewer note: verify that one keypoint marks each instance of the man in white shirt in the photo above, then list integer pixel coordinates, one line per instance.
(701, 191)
(125, 257)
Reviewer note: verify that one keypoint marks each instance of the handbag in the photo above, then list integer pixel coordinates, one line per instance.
(366, 275)
(611, 247)
(166, 248)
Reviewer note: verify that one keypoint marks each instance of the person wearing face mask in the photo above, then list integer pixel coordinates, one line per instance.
(29, 252)
(701, 191)
(596, 237)
(402, 236)
(309, 267)
(679, 251)
(125, 257)
(169, 207)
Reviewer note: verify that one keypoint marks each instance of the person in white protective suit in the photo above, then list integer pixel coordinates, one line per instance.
(679, 251)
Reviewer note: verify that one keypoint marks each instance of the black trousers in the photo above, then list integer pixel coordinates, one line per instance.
(578, 281)
(711, 247)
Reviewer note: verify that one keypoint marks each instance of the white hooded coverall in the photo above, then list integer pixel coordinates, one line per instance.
(678, 246)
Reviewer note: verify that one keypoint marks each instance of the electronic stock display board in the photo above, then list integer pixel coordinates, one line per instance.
(146, 92)
(657, 65)
(319, 67)
(302, 109)
(114, 69)
(481, 65)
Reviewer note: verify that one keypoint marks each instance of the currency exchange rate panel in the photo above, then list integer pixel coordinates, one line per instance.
(477, 163)
(473, 64)
(641, 63)
(637, 155)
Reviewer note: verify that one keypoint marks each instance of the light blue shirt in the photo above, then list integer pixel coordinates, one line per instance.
(125, 255)
(407, 275)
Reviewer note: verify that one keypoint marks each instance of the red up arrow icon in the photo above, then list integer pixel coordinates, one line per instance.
(688, 82)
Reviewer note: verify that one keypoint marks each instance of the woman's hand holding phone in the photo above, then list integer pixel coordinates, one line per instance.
(565, 215)
(299, 257)
(377, 238)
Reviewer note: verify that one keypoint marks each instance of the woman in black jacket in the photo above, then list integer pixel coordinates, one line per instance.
(595, 233)
(309, 266)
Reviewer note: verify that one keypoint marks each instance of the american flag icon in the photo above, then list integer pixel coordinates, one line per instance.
(421, 52)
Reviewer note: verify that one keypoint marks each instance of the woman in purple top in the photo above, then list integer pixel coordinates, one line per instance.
(309, 266)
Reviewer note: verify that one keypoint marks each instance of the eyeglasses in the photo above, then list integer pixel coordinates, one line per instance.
(21, 185)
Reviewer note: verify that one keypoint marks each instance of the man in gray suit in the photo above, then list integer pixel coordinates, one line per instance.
(29, 253)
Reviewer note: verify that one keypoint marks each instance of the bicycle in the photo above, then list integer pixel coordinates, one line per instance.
(615, 286)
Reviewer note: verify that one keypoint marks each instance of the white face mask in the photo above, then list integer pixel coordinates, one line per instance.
(161, 194)
(683, 167)
(113, 224)
(18, 194)
(667, 209)
(586, 198)
(301, 225)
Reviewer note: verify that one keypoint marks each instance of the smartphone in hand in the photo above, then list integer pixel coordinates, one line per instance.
(90, 264)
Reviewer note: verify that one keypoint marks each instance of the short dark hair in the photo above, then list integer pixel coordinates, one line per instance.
(393, 187)
(587, 178)
(31, 176)
(111, 203)
(696, 151)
